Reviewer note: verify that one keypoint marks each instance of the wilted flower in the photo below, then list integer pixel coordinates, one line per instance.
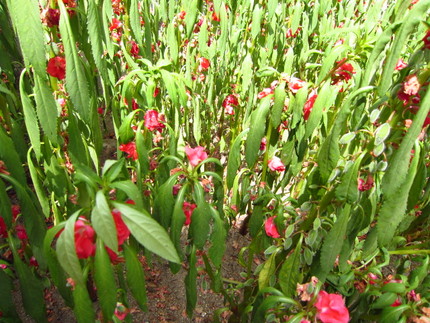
(229, 103)
(188, 209)
(331, 308)
(51, 17)
(275, 164)
(270, 227)
(154, 120)
(21, 233)
(57, 67)
(365, 185)
(134, 49)
(195, 155)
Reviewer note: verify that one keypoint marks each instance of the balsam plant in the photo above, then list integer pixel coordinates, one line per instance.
(309, 119)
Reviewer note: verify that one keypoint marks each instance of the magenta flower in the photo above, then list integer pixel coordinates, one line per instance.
(154, 120)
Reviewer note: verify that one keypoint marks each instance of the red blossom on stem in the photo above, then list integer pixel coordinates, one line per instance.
(229, 103)
(265, 92)
(57, 67)
(154, 120)
(122, 230)
(343, 73)
(130, 150)
(295, 84)
(188, 209)
(307, 108)
(270, 228)
(84, 239)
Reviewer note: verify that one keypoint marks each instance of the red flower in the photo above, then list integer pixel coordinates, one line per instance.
(16, 210)
(181, 15)
(215, 17)
(21, 233)
(134, 50)
(275, 164)
(121, 311)
(396, 303)
(122, 230)
(270, 228)
(57, 67)
(196, 155)
(229, 103)
(84, 239)
(153, 120)
(204, 64)
(156, 92)
(263, 144)
(331, 308)
(115, 25)
(426, 40)
(295, 84)
(342, 73)
(188, 209)
(401, 64)
(52, 17)
(290, 34)
(309, 104)
(114, 258)
(265, 93)
(130, 150)
(365, 186)
(3, 228)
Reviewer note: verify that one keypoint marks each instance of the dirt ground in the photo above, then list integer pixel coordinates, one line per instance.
(165, 292)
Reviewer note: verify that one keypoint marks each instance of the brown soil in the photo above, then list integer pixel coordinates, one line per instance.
(165, 291)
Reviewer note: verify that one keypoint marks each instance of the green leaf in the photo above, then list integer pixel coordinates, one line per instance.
(289, 274)
(414, 17)
(333, 242)
(382, 133)
(38, 187)
(7, 306)
(178, 219)
(30, 286)
(135, 277)
(148, 232)
(26, 20)
(385, 300)
(76, 79)
(191, 283)
(173, 42)
(218, 239)
(267, 271)
(164, 202)
(30, 118)
(200, 224)
(394, 206)
(278, 105)
(234, 158)
(169, 82)
(132, 191)
(135, 21)
(66, 251)
(348, 187)
(256, 131)
(5, 205)
(105, 280)
(247, 73)
(125, 132)
(83, 309)
(257, 15)
(191, 16)
(103, 223)
(392, 314)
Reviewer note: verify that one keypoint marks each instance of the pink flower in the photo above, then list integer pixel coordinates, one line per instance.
(426, 40)
(154, 120)
(204, 64)
(270, 228)
(84, 239)
(401, 64)
(122, 230)
(295, 84)
(331, 308)
(307, 108)
(263, 144)
(229, 103)
(130, 150)
(411, 86)
(265, 93)
(57, 67)
(188, 209)
(275, 164)
(196, 155)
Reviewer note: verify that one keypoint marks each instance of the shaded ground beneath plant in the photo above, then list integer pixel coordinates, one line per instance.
(165, 291)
